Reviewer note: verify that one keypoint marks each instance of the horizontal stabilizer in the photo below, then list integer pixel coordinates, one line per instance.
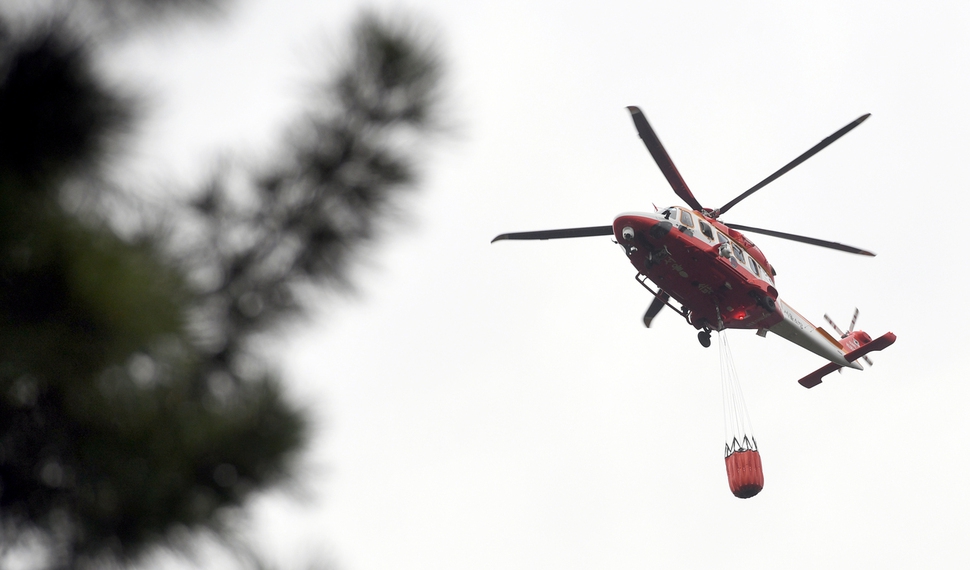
(878, 344)
(815, 378)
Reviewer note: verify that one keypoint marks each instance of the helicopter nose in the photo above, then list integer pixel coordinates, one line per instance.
(627, 227)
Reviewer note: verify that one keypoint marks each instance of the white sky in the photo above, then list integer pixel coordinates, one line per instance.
(502, 406)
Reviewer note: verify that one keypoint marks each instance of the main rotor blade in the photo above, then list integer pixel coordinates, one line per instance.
(658, 303)
(803, 239)
(802, 158)
(557, 234)
(662, 159)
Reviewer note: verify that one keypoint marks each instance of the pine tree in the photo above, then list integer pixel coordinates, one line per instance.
(133, 404)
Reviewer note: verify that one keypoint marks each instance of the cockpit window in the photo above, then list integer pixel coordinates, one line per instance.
(686, 219)
(670, 213)
(706, 230)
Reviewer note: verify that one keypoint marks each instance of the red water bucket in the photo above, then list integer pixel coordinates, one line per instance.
(744, 473)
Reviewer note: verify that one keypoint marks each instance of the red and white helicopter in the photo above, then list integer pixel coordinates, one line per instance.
(718, 276)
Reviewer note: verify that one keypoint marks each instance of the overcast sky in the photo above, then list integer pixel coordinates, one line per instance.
(501, 405)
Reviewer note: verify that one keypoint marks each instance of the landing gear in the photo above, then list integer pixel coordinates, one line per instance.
(705, 338)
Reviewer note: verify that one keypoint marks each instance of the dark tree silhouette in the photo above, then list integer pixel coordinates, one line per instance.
(133, 405)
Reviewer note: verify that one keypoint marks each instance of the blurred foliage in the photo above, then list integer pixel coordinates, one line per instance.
(133, 405)
(111, 19)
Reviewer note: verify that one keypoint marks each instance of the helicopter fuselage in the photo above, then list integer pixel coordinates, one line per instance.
(718, 276)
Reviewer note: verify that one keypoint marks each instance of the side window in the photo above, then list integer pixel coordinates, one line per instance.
(754, 266)
(686, 219)
(739, 253)
(724, 250)
(706, 230)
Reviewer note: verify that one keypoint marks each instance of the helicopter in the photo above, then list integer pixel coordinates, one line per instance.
(719, 278)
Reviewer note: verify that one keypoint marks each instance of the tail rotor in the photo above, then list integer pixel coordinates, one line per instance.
(855, 317)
